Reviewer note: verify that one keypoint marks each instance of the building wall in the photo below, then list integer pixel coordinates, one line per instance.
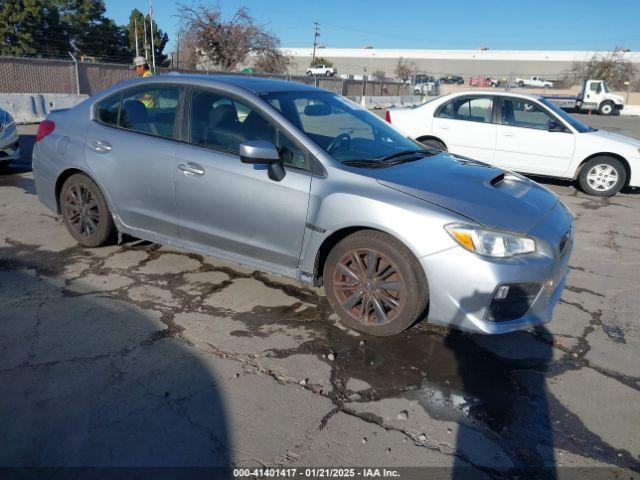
(500, 64)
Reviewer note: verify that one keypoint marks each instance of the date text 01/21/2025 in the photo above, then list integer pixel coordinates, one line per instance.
(329, 473)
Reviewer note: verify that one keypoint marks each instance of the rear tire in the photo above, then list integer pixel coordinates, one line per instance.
(375, 284)
(85, 212)
(602, 176)
(521, 84)
(432, 142)
(607, 108)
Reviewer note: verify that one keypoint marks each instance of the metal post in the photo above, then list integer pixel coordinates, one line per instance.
(75, 62)
(145, 45)
(153, 50)
(135, 30)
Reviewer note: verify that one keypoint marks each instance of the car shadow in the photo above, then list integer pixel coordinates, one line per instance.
(559, 182)
(511, 402)
(93, 387)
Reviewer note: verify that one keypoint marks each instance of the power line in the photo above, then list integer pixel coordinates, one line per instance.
(316, 34)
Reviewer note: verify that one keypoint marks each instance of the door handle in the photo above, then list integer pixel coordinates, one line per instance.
(445, 127)
(100, 146)
(191, 168)
(509, 134)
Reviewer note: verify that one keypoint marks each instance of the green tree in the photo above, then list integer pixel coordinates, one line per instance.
(31, 27)
(160, 38)
(321, 61)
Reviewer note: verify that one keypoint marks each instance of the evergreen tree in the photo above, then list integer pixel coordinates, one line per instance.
(160, 38)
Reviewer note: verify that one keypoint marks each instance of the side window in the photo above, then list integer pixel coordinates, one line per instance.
(522, 113)
(107, 111)
(150, 110)
(446, 111)
(290, 153)
(479, 109)
(222, 122)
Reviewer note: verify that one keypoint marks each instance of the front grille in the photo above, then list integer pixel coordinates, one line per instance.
(515, 304)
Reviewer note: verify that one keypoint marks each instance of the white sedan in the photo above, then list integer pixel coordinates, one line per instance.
(524, 133)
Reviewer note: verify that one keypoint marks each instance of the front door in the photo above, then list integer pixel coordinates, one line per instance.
(130, 149)
(234, 207)
(466, 126)
(524, 142)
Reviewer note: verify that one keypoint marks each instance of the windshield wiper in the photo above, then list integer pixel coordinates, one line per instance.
(404, 153)
(370, 163)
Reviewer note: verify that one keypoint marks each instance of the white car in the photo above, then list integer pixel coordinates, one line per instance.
(9, 145)
(533, 82)
(524, 133)
(322, 70)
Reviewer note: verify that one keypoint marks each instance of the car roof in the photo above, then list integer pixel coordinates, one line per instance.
(502, 93)
(254, 85)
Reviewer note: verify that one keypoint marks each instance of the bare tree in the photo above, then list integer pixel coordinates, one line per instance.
(189, 54)
(379, 74)
(404, 69)
(272, 61)
(227, 43)
(614, 67)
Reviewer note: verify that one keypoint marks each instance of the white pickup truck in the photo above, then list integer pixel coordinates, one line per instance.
(322, 70)
(533, 82)
(595, 95)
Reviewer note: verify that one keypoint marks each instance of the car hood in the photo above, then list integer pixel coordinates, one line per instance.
(615, 137)
(485, 194)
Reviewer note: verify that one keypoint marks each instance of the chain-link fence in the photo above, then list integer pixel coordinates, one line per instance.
(36, 75)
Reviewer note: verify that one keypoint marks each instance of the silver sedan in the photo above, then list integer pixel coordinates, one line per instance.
(9, 145)
(303, 183)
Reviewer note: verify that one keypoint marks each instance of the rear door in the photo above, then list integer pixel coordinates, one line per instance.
(524, 142)
(131, 148)
(466, 125)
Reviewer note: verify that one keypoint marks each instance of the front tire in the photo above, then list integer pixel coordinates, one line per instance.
(521, 84)
(85, 212)
(375, 284)
(606, 108)
(602, 176)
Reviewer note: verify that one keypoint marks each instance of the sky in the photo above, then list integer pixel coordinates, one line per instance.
(427, 24)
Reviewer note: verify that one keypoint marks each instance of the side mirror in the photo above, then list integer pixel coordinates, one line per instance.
(556, 127)
(261, 152)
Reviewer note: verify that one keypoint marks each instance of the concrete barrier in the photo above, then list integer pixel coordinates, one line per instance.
(34, 107)
(374, 103)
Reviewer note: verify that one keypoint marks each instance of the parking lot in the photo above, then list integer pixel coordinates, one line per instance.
(138, 355)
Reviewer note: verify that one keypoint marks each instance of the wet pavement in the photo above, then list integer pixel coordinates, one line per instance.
(141, 355)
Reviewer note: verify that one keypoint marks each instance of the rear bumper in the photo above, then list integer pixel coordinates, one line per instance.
(462, 284)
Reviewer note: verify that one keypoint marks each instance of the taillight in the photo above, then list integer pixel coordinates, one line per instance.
(45, 128)
(387, 116)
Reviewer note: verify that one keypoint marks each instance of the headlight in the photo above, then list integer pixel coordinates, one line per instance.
(490, 243)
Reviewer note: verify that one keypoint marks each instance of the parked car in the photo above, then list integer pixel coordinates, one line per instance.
(483, 82)
(534, 81)
(525, 133)
(301, 182)
(9, 144)
(322, 70)
(595, 95)
(452, 80)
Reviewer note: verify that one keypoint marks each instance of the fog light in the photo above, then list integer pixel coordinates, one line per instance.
(512, 301)
(502, 292)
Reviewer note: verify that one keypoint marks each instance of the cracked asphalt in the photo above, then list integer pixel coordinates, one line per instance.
(139, 355)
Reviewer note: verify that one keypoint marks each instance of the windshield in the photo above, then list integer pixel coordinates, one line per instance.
(342, 128)
(605, 87)
(575, 123)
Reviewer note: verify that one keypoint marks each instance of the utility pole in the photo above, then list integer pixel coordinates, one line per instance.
(153, 50)
(316, 34)
(145, 45)
(135, 30)
(178, 52)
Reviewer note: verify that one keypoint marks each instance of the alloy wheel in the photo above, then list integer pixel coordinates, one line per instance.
(369, 287)
(82, 210)
(602, 177)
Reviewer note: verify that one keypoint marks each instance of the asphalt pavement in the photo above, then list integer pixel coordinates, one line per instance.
(138, 355)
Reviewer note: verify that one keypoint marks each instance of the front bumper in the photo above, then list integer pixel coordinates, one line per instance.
(462, 284)
(9, 144)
